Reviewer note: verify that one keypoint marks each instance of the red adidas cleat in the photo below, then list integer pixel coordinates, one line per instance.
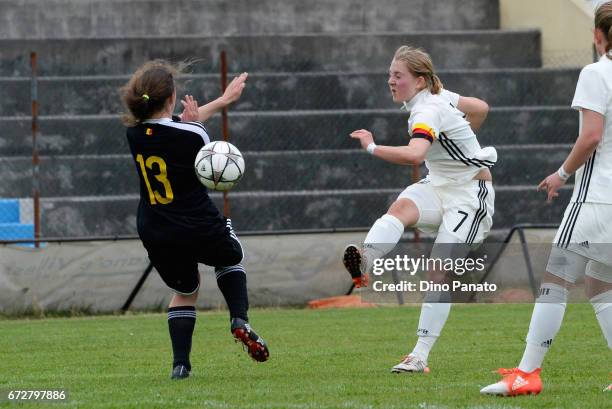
(254, 345)
(515, 382)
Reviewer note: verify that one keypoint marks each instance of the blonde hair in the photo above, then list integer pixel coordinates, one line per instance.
(603, 22)
(419, 63)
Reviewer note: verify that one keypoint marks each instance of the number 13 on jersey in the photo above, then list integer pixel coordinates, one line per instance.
(162, 176)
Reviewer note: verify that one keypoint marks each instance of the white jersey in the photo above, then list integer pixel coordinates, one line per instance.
(593, 181)
(455, 156)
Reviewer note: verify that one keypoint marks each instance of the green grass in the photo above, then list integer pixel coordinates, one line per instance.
(320, 359)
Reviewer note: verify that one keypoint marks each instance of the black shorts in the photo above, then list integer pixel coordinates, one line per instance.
(177, 262)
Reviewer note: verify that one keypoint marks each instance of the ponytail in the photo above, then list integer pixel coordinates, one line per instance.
(436, 84)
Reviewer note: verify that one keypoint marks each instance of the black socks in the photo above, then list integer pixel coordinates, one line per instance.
(232, 283)
(181, 322)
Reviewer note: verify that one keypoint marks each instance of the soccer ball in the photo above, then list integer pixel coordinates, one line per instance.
(219, 165)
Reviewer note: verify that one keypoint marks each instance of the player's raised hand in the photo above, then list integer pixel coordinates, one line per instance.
(190, 109)
(551, 184)
(365, 137)
(234, 88)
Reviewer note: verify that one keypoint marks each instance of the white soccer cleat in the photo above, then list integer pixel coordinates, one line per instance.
(499, 388)
(411, 363)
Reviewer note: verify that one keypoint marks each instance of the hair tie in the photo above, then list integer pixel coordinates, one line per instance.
(145, 97)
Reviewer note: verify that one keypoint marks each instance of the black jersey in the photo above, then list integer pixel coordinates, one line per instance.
(174, 205)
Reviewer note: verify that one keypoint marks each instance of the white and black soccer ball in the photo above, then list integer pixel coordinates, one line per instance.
(219, 165)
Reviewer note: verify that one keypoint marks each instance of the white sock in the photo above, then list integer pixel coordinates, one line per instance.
(546, 320)
(601, 304)
(382, 238)
(423, 347)
(432, 320)
(533, 356)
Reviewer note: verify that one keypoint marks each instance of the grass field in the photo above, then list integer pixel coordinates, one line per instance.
(320, 359)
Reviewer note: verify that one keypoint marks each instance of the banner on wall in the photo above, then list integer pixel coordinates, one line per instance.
(98, 276)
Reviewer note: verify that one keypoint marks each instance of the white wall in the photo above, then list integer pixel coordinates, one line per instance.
(566, 27)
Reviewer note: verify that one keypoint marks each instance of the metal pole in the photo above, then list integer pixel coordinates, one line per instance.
(136, 288)
(527, 258)
(35, 158)
(224, 124)
(415, 178)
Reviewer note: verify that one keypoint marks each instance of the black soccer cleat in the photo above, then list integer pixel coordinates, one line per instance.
(254, 345)
(353, 261)
(180, 372)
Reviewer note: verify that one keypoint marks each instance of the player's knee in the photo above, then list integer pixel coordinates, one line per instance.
(405, 211)
(231, 256)
(598, 279)
(602, 301)
(235, 258)
(184, 299)
(562, 278)
(564, 267)
(594, 287)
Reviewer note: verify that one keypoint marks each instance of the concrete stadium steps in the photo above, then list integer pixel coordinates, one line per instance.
(286, 53)
(84, 216)
(286, 130)
(318, 72)
(299, 91)
(33, 18)
(266, 171)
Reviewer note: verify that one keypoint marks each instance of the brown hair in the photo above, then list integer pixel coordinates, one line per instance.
(419, 63)
(148, 90)
(603, 21)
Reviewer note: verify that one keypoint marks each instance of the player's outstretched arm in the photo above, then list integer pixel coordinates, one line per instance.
(590, 136)
(475, 110)
(413, 154)
(232, 94)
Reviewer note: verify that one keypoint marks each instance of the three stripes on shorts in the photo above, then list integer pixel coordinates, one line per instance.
(568, 227)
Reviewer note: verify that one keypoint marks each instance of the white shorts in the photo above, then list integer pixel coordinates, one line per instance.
(458, 213)
(570, 266)
(583, 243)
